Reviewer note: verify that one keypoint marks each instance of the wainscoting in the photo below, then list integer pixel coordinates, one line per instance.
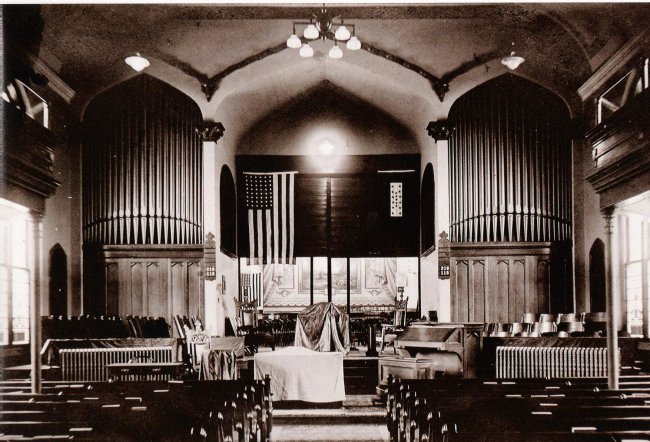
(493, 282)
(149, 280)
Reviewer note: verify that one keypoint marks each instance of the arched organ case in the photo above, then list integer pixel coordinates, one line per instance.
(510, 201)
(142, 195)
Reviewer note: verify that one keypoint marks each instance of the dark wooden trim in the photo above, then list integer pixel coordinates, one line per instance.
(612, 124)
(28, 154)
(479, 249)
(228, 253)
(329, 239)
(180, 251)
(620, 146)
(311, 280)
(347, 294)
(428, 251)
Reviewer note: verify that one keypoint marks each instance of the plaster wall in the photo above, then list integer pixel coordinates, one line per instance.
(62, 220)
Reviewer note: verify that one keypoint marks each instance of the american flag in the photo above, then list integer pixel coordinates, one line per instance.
(269, 200)
(251, 287)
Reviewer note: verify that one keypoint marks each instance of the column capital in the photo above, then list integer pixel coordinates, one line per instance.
(608, 214)
(439, 130)
(210, 130)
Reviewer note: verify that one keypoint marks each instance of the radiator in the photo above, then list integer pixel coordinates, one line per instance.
(551, 362)
(89, 364)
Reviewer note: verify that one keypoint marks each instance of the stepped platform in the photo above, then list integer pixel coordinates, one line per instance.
(357, 418)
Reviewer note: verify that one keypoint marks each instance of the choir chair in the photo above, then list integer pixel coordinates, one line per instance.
(389, 332)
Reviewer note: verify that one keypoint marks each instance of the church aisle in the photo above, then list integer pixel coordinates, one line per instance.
(359, 419)
(351, 432)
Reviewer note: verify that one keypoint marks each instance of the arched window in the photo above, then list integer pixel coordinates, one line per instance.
(427, 210)
(228, 212)
(597, 276)
(58, 281)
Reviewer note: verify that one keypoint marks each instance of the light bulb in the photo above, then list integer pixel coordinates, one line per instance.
(353, 44)
(137, 62)
(342, 33)
(513, 61)
(294, 42)
(306, 51)
(336, 52)
(311, 32)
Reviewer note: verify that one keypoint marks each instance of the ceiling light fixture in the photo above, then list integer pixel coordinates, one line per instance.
(322, 26)
(137, 62)
(513, 60)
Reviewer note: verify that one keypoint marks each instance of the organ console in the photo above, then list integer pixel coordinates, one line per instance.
(427, 349)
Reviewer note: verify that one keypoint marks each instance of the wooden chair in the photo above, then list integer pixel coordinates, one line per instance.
(569, 317)
(197, 344)
(529, 318)
(389, 332)
(547, 317)
(517, 328)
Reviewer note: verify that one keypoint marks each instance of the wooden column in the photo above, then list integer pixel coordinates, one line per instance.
(35, 301)
(613, 301)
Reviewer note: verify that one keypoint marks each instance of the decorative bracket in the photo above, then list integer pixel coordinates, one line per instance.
(439, 130)
(210, 131)
(444, 265)
(209, 258)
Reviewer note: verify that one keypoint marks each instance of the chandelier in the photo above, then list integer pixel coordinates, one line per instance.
(322, 26)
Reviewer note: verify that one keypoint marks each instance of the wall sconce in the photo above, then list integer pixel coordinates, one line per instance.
(209, 259)
(444, 267)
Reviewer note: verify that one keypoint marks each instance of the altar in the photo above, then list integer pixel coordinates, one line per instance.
(301, 374)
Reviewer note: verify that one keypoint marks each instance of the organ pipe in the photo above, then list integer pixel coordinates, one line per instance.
(510, 157)
(142, 169)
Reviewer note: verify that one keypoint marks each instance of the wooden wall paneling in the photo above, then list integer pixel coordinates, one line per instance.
(518, 289)
(156, 290)
(112, 288)
(501, 305)
(543, 285)
(178, 288)
(194, 289)
(382, 235)
(462, 287)
(311, 216)
(136, 288)
(478, 292)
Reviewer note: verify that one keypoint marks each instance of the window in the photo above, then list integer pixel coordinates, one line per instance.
(636, 268)
(374, 283)
(632, 83)
(14, 274)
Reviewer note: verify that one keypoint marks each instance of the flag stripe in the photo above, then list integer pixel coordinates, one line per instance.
(260, 232)
(251, 236)
(291, 194)
(275, 219)
(269, 241)
(284, 219)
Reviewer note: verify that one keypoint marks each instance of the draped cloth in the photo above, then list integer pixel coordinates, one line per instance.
(300, 374)
(323, 327)
(218, 364)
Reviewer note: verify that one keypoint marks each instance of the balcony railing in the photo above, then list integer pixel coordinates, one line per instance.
(28, 101)
(631, 84)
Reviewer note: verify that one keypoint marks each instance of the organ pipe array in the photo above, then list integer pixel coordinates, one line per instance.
(510, 164)
(142, 173)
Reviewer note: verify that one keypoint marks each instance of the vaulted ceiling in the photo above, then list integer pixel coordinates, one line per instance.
(189, 45)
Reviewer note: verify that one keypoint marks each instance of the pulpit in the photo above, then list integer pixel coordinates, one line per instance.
(323, 327)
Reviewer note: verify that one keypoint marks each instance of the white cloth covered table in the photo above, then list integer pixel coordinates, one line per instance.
(300, 374)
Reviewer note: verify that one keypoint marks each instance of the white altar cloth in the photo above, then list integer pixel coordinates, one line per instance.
(300, 374)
